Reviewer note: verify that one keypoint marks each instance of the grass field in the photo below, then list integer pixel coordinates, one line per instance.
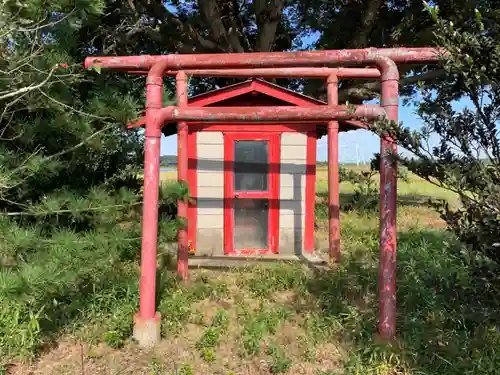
(288, 319)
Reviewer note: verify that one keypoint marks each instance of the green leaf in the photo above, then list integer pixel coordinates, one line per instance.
(433, 11)
(479, 20)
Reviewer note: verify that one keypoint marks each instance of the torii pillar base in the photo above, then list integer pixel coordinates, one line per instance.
(147, 332)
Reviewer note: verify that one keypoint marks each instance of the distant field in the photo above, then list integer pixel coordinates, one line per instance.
(414, 189)
(171, 175)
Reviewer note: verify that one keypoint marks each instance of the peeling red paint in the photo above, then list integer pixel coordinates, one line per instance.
(149, 227)
(267, 59)
(154, 94)
(276, 72)
(388, 198)
(310, 190)
(333, 175)
(260, 114)
(182, 176)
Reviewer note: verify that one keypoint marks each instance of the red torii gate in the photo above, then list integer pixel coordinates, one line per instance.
(274, 64)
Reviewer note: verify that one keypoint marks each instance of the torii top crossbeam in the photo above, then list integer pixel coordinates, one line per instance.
(268, 59)
(147, 321)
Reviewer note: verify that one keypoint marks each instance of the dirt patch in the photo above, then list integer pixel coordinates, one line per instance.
(70, 357)
(424, 217)
(175, 352)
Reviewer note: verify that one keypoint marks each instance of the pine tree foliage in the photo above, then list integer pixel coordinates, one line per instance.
(459, 149)
(56, 136)
(70, 200)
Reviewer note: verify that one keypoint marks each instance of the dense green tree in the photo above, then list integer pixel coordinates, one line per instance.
(69, 194)
(218, 26)
(60, 129)
(459, 149)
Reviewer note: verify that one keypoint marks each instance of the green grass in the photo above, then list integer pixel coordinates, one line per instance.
(415, 189)
(210, 338)
(285, 318)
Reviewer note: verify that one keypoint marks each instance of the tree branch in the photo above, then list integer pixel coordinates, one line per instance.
(68, 211)
(268, 15)
(78, 145)
(188, 33)
(37, 26)
(25, 165)
(27, 89)
(71, 108)
(213, 18)
(241, 26)
(409, 21)
(370, 15)
(366, 91)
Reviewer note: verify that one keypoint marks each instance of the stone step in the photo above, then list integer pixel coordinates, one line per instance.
(246, 260)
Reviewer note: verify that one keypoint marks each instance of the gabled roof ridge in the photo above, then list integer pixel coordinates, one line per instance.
(292, 92)
(262, 81)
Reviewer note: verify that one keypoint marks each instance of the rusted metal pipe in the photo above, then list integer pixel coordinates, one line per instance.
(277, 72)
(388, 198)
(265, 59)
(182, 170)
(149, 231)
(354, 123)
(147, 321)
(271, 114)
(333, 175)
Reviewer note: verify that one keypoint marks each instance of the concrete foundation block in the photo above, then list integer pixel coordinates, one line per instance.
(147, 332)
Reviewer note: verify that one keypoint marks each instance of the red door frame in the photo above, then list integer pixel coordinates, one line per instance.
(272, 193)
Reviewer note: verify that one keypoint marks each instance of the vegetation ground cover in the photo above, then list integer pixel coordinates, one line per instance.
(286, 318)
